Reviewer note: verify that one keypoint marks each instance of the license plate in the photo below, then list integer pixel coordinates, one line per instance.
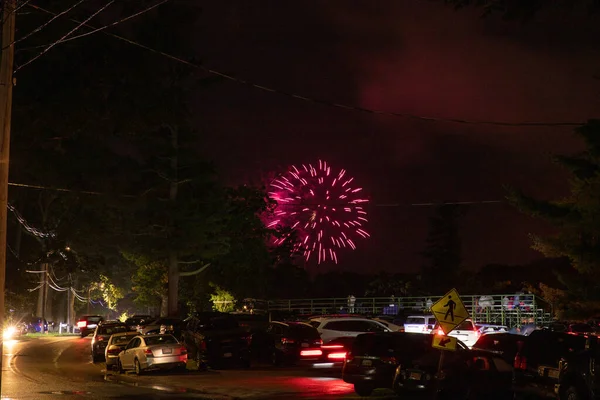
(415, 376)
(227, 355)
(304, 345)
(367, 363)
(167, 351)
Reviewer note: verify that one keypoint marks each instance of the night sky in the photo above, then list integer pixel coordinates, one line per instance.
(414, 57)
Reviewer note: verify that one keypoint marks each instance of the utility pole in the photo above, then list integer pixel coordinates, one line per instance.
(6, 86)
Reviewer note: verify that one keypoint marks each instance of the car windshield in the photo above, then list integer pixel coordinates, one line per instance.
(305, 331)
(122, 339)
(163, 339)
(415, 320)
(93, 319)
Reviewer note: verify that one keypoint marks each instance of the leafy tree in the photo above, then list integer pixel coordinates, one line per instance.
(222, 300)
(386, 284)
(442, 252)
(575, 217)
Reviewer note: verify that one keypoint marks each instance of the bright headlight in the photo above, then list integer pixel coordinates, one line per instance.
(9, 332)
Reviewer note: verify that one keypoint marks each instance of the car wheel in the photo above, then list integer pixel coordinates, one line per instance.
(572, 394)
(138, 367)
(362, 389)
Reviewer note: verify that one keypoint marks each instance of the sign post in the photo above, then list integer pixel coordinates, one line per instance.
(450, 312)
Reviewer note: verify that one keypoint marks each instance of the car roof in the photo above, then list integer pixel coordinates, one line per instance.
(128, 333)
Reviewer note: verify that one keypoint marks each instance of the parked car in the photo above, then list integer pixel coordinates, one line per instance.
(371, 363)
(465, 374)
(466, 332)
(578, 377)
(116, 344)
(287, 342)
(390, 325)
(333, 328)
(148, 327)
(419, 323)
(88, 323)
(536, 368)
(133, 322)
(504, 344)
(34, 325)
(152, 352)
(101, 335)
(215, 339)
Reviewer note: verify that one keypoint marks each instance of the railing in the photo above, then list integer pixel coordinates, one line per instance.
(512, 310)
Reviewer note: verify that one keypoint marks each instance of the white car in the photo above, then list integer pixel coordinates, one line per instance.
(392, 327)
(333, 328)
(419, 323)
(466, 332)
(151, 352)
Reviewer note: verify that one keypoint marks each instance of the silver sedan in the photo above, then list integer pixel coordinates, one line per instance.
(115, 345)
(152, 352)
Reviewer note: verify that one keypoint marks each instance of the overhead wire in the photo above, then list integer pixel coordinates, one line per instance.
(50, 46)
(320, 101)
(39, 28)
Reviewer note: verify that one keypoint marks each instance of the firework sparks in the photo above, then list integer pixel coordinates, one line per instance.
(324, 208)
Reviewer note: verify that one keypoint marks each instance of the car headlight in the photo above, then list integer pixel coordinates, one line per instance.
(9, 332)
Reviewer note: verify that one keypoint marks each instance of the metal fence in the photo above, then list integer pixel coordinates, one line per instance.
(512, 310)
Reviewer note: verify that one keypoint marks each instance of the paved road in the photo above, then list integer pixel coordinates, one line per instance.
(61, 367)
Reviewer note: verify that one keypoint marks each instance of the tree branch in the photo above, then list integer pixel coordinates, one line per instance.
(196, 272)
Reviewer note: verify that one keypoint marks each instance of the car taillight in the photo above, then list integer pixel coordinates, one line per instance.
(389, 360)
(182, 350)
(310, 353)
(520, 362)
(148, 353)
(332, 346)
(114, 351)
(81, 324)
(440, 332)
(337, 355)
(287, 341)
(100, 338)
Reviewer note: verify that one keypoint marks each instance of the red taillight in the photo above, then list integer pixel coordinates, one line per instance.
(440, 332)
(332, 346)
(100, 338)
(287, 341)
(81, 324)
(113, 351)
(310, 353)
(520, 362)
(182, 350)
(148, 353)
(337, 356)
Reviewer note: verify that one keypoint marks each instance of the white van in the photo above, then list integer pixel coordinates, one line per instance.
(419, 323)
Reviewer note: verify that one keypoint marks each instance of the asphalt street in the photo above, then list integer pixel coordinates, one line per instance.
(61, 368)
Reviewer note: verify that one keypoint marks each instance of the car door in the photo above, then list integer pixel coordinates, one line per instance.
(129, 353)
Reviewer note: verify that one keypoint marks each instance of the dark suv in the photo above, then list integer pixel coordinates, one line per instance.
(88, 323)
(537, 364)
(214, 339)
(101, 335)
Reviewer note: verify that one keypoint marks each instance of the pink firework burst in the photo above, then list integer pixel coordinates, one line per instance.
(323, 207)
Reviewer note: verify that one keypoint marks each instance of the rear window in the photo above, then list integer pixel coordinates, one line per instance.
(93, 319)
(304, 331)
(166, 339)
(109, 330)
(315, 323)
(466, 326)
(380, 345)
(415, 320)
(122, 339)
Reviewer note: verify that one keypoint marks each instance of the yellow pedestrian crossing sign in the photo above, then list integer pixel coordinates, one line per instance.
(449, 311)
(444, 342)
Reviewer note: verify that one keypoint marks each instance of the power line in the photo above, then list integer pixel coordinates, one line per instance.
(47, 49)
(315, 100)
(39, 28)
